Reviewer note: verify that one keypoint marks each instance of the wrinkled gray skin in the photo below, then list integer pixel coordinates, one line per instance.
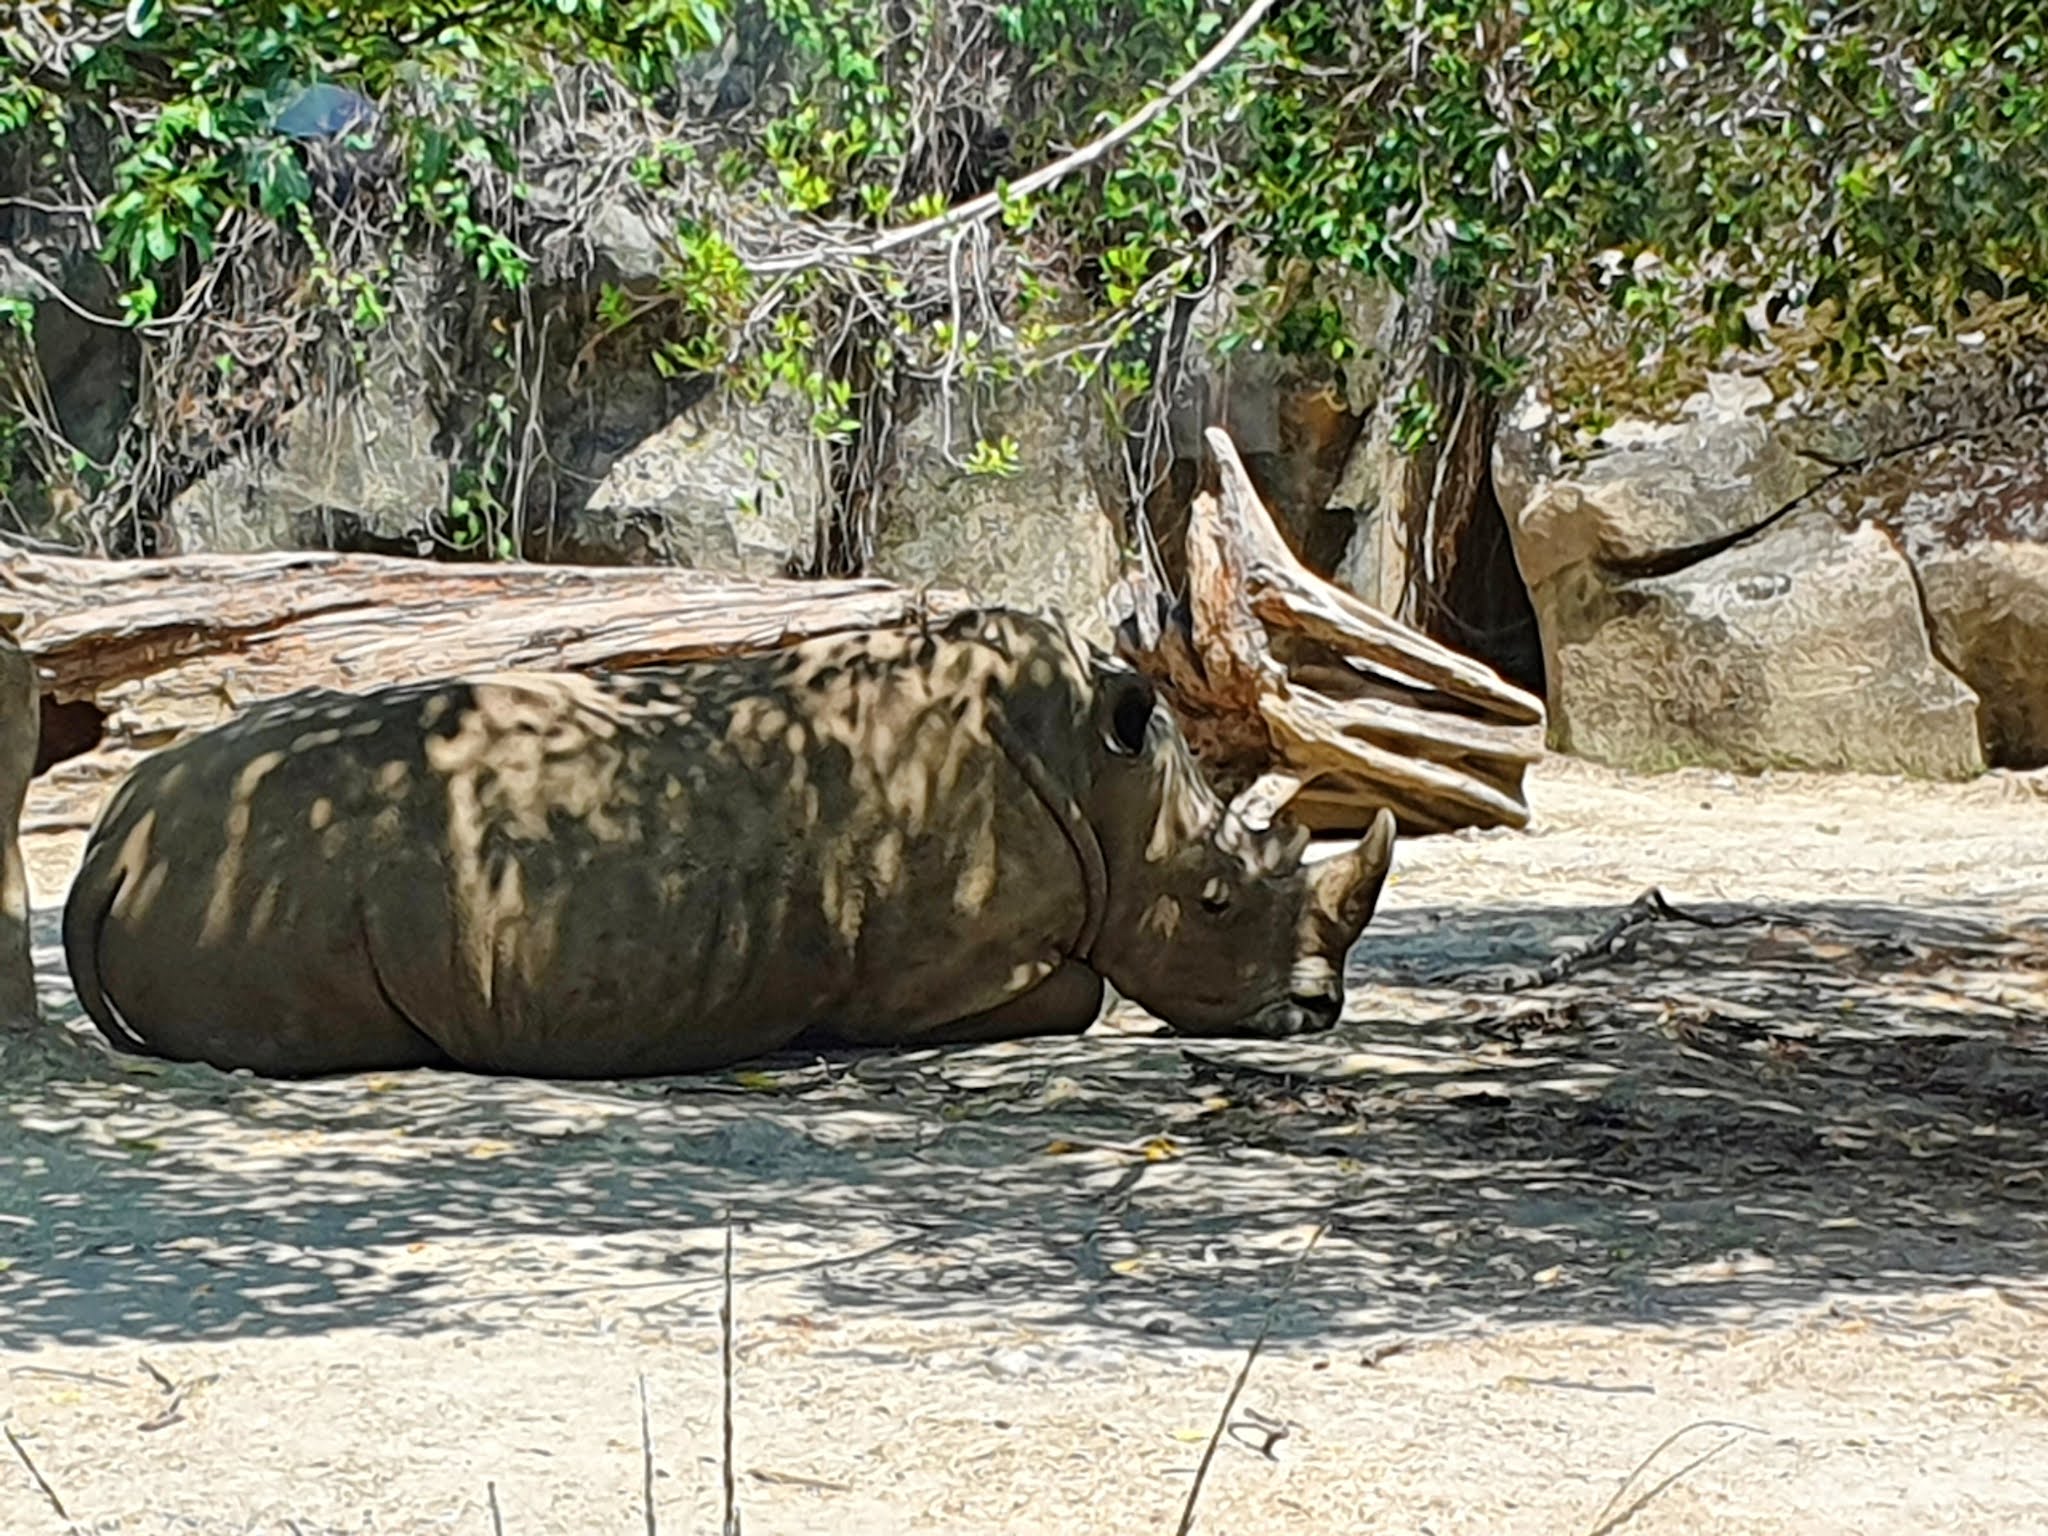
(20, 723)
(876, 839)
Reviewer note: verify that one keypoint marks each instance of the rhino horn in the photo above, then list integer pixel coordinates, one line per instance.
(1254, 807)
(1345, 889)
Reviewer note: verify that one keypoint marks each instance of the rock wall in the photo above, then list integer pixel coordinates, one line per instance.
(725, 486)
(1042, 535)
(1771, 576)
(1777, 578)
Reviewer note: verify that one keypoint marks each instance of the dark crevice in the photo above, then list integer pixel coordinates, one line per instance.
(1485, 609)
(1671, 561)
(1927, 617)
(67, 730)
(1997, 752)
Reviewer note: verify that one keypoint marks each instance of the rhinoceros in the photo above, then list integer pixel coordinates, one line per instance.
(949, 833)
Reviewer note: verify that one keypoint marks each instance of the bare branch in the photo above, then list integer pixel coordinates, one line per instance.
(991, 203)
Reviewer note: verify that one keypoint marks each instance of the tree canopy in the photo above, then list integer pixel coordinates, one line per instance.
(1702, 174)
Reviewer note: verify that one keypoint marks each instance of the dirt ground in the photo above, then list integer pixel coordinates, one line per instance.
(1754, 1209)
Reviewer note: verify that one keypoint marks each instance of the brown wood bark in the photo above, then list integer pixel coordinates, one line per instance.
(166, 647)
(1364, 711)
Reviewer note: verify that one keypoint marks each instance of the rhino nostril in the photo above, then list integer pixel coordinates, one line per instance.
(1319, 1007)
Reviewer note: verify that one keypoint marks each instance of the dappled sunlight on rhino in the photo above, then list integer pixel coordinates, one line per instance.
(948, 834)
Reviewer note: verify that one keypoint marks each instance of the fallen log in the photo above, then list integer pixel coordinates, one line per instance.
(1281, 676)
(161, 648)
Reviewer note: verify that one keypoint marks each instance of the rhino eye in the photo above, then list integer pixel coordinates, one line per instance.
(1215, 896)
(1130, 714)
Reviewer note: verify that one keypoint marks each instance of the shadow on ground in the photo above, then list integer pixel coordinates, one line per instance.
(1824, 1099)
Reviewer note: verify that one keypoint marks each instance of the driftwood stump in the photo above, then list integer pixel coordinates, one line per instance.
(1294, 692)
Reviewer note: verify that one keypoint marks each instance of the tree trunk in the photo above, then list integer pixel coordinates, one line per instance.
(19, 716)
(1295, 690)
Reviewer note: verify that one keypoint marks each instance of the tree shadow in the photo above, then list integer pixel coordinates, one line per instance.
(1834, 1098)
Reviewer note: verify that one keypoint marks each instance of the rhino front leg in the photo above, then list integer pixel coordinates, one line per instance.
(1065, 1003)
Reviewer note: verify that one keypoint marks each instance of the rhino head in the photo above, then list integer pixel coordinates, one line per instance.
(1211, 919)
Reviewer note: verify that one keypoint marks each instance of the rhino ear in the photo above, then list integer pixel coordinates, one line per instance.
(1345, 889)
(1123, 707)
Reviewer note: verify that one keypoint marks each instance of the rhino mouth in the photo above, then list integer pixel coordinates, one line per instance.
(1282, 1019)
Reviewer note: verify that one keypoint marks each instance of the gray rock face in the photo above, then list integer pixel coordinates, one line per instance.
(1801, 647)
(363, 462)
(725, 487)
(1042, 536)
(1972, 515)
(338, 472)
(1721, 589)
(1656, 488)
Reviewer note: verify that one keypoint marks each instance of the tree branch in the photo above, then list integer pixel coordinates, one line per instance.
(990, 203)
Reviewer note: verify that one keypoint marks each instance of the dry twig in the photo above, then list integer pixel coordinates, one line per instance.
(1244, 1371)
(1646, 910)
(1610, 1519)
(731, 1526)
(646, 1462)
(42, 1482)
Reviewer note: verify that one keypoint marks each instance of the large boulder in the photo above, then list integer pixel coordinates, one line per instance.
(726, 486)
(358, 465)
(344, 471)
(1925, 501)
(19, 720)
(1801, 646)
(1650, 490)
(1041, 535)
(1971, 513)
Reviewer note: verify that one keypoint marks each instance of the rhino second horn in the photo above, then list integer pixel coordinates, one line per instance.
(1346, 887)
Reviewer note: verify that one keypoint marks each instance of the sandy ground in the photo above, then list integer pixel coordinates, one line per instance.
(1755, 1212)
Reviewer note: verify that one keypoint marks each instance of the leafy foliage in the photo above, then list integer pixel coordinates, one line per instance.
(1685, 176)
(1706, 166)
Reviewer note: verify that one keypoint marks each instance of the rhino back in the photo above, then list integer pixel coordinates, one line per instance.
(561, 874)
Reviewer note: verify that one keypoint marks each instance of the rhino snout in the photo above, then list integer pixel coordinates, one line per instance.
(1283, 1019)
